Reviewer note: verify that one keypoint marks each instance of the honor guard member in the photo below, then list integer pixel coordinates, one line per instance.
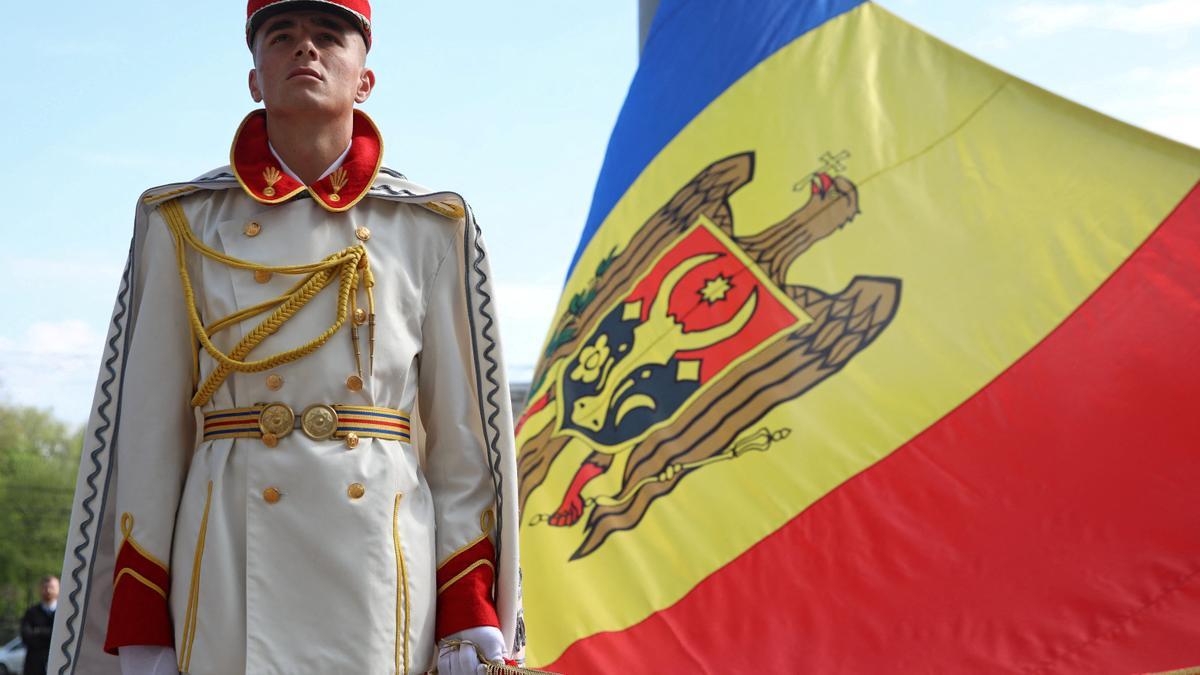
(250, 497)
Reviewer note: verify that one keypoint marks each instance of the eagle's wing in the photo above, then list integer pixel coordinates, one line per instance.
(708, 194)
(535, 457)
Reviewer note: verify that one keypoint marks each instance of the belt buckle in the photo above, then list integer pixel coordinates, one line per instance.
(275, 421)
(319, 421)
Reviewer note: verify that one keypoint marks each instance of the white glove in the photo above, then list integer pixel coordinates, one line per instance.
(461, 659)
(147, 660)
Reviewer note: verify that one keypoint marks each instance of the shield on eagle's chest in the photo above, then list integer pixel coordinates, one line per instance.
(699, 308)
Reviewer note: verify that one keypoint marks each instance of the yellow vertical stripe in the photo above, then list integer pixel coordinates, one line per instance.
(193, 606)
(401, 593)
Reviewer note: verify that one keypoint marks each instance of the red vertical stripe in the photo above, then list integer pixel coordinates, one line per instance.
(1050, 524)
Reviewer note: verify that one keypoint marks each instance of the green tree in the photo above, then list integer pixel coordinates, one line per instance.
(39, 457)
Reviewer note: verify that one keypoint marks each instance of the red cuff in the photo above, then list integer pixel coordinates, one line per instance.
(465, 590)
(139, 614)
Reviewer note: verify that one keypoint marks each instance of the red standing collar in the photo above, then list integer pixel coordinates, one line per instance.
(262, 178)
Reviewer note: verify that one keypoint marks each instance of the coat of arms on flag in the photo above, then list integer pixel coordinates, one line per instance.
(685, 338)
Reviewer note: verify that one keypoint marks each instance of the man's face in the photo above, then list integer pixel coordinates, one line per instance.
(49, 590)
(309, 61)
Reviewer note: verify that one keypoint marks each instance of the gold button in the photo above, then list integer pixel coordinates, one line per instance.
(270, 440)
(356, 490)
(352, 440)
(271, 495)
(262, 276)
(363, 233)
(360, 316)
(274, 382)
(354, 383)
(252, 229)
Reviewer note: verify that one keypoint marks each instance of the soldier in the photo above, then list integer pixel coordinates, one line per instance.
(251, 498)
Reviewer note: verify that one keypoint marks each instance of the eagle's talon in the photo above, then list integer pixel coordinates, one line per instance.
(568, 514)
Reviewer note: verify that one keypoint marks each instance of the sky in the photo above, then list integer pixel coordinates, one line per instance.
(510, 104)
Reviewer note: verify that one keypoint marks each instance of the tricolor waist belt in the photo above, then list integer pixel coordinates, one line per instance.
(272, 421)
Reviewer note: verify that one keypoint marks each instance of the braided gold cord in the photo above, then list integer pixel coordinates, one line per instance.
(344, 265)
(230, 320)
(150, 199)
(250, 312)
(255, 310)
(233, 361)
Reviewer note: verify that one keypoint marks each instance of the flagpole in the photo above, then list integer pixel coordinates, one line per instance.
(646, 9)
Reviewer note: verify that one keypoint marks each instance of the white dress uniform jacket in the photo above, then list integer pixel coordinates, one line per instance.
(311, 556)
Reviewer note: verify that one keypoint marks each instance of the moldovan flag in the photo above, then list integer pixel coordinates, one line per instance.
(873, 359)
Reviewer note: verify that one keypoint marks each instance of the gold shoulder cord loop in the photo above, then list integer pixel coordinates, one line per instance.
(346, 265)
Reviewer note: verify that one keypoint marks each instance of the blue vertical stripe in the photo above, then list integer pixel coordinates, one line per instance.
(696, 49)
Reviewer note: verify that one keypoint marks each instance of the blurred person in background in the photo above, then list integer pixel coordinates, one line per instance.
(36, 626)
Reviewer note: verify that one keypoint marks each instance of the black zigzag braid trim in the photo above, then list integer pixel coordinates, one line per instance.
(97, 467)
(484, 333)
(220, 176)
(519, 637)
(391, 191)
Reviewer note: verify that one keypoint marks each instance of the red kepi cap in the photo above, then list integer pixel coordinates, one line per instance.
(358, 12)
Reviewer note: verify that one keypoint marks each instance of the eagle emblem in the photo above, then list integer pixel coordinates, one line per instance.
(684, 340)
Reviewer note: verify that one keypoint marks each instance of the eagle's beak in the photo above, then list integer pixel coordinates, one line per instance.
(821, 184)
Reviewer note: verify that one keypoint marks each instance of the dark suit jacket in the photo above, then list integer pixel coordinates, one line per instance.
(35, 633)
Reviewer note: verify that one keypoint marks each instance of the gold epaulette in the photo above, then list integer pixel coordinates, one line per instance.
(155, 197)
(445, 208)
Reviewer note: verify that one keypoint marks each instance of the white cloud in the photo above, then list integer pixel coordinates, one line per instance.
(1163, 100)
(53, 365)
(1184, 78)
(1183, 127)
(523, 302)
(1044, 19)
(71, 270)
(526, 311)
(1156, 17)
(119, 160)
(1160, 16)
(63, 339)
(990, 43)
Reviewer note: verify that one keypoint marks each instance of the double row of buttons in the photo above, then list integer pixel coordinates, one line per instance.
(275, 382)
(315, 421)
(253, 228)
(272, 495)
